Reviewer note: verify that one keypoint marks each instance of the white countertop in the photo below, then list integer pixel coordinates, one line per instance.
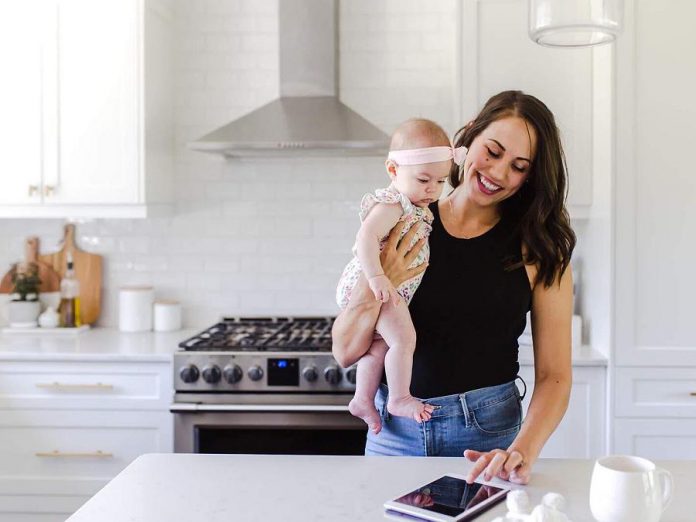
(110, 344)
(224, 488)
(97, 344)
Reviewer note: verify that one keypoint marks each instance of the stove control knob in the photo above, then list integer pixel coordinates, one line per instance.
(310, 373)
(211, 374)
(351, 374)
(332, 374)
(189, 373)
(232, 373)
(255, 373)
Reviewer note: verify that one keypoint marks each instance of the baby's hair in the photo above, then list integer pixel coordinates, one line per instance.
(418, 133)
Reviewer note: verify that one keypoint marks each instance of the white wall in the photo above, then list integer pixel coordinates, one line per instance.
(261, 237)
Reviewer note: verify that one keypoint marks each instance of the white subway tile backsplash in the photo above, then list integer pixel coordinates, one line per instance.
(197, 282)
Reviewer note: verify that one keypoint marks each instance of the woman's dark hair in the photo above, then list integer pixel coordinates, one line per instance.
(538, 207)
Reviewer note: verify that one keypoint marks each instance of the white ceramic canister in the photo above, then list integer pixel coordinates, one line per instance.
(135, 308)
(167, 315)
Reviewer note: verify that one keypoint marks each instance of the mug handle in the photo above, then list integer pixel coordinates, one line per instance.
(665, 477)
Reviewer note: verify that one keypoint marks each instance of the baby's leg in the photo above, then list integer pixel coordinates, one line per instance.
(395, 326)
(367, 380)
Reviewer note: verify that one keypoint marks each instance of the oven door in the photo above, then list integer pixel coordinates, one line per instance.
(294, 429)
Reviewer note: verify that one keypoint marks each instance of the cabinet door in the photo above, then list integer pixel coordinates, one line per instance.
(580, 434)
(22, 26)
(655, 189)
(499, 54)
(99, 92)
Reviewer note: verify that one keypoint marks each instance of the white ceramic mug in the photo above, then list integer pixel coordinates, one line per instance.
(629, 489)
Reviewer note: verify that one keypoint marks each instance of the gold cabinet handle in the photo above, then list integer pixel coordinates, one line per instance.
(49, 190)
(66, 454)
(33, 190)
(693, 394)
(77, 386)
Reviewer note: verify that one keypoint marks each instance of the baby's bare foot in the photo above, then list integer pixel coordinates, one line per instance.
(409, 406)
(365, 410)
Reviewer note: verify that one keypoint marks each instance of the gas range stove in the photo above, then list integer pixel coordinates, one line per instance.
(270, 354)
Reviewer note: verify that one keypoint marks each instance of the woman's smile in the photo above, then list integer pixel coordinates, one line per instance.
(486, 185)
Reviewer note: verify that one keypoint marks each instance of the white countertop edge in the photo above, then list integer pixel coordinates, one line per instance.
(96, 344)
(86, 357)
(110, 344)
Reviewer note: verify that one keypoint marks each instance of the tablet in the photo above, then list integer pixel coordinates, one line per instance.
(447, 499)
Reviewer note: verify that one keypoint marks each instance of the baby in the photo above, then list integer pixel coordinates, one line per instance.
(418, 164)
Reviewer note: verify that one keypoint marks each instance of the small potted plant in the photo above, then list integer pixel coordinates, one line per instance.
(25, 307)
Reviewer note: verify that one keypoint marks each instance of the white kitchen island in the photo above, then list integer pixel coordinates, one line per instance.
(240, 488)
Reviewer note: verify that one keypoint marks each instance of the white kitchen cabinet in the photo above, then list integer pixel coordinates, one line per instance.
(92, 138)
(655, 211)
(673, 439)
(497, 54)
(581, 433)
(67, 428)
(655, 412)
(23, 34)
(656, 392)
(655, 223)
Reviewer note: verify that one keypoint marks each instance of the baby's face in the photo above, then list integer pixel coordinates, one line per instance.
(421, 184)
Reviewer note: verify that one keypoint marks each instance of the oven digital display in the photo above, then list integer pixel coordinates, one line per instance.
(283, 372)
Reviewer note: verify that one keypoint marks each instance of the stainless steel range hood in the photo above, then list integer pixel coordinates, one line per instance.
(308, 118)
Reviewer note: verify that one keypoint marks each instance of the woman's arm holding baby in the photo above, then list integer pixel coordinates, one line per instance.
(376, 225)
(354, 327)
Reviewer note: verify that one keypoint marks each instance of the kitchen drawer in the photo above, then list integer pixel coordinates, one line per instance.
(656, 392)
(85, 385)
(38, 508)
(46, 445)
(656, 438)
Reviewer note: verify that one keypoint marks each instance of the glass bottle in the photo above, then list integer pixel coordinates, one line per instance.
(69, 308)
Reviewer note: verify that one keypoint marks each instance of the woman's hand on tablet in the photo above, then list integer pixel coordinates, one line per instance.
(508, 465)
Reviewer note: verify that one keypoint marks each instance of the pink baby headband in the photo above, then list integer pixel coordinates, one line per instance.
(427, 155)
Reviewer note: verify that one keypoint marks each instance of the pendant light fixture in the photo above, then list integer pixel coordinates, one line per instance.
(574, 23)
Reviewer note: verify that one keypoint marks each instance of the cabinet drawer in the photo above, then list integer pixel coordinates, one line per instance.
(81, 385)
(656, 392)
(46, 445)
(38, 508)
(661, 439)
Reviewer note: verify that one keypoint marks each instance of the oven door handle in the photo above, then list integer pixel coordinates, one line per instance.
(195, 408)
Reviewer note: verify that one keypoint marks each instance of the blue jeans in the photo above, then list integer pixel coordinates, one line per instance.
(481, 420)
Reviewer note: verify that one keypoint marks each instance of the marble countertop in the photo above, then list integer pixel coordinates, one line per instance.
(97, 344)
(110, 344)
(220, 488)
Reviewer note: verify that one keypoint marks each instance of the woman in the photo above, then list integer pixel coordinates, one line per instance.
(501, 245)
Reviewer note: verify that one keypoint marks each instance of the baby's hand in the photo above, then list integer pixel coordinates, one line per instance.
(382, 288)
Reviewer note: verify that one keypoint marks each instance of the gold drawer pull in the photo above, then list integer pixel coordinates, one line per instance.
(60, 454)
(693, 394)
(67, 386)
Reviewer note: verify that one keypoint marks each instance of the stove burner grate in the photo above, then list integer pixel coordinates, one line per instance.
(257, 334)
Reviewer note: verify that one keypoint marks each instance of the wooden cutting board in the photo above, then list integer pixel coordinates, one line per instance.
(50, 279)
(88, 270)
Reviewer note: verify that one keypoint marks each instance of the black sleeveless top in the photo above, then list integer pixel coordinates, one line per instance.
(469, 311)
